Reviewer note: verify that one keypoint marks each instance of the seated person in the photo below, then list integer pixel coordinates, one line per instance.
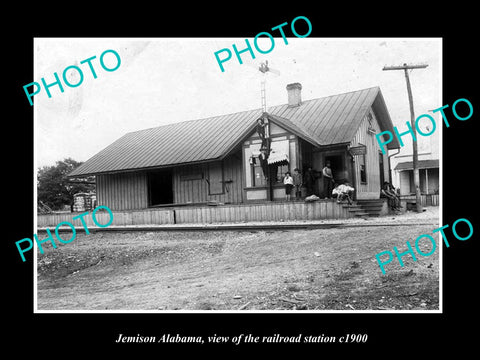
(343, 191)
(388, 191)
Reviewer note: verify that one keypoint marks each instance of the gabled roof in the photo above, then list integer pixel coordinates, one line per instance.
(324, 121)
(184, 142)
(296, 129)
(335, 119)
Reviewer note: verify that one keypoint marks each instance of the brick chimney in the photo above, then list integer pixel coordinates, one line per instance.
(294, 94)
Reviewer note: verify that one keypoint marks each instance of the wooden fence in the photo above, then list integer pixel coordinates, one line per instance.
(426, 200)
(274, 211)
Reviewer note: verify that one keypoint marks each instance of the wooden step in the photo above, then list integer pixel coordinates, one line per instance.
(362, 214)
(371, 207)
(372, 212)
(353, 208)
(370, 204)
(356, 210)
(366, 208)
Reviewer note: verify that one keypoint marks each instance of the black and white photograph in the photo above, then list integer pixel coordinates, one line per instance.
(210, 181)
(262, 187)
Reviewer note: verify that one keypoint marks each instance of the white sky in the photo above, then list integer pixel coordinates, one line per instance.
(166, 80)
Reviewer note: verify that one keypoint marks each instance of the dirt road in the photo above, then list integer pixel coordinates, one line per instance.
(321, 269)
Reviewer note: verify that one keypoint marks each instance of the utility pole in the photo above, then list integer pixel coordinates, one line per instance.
(416, 173)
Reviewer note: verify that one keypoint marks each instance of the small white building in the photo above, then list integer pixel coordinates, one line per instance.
(428, 164)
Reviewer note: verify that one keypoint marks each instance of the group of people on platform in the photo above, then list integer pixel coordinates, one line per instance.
(342, 191)
(294, 184)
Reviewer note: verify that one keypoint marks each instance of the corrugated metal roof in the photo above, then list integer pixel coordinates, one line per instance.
(294, 128)
(333, 119)
(183, 142)
(324, 121)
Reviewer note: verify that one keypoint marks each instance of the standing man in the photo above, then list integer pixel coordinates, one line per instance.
(297, 182)
(288, 182)
(327, 180)
(262, 131)
(309, 181)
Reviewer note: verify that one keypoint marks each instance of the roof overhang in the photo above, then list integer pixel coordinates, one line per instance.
(422, 164)
(145, 169)
(385, 122)
(117, 157)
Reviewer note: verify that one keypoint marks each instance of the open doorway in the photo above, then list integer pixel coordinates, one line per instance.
(381, 169)
(160, 187)
(337, 165)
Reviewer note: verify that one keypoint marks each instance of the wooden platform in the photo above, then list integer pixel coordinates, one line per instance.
(205, 214)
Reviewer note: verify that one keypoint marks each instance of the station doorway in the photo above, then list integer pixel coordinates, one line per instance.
(160, 187)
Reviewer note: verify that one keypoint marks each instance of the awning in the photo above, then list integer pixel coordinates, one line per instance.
(422, 164)
(279, 152)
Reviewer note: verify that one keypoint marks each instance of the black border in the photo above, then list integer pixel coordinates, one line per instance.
(88, 333)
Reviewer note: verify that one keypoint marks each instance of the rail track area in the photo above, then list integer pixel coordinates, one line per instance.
(307, 267)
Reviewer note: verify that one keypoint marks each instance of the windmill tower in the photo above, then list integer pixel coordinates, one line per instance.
(263, 128)
(264, 68)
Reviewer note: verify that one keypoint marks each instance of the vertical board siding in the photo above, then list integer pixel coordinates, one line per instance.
(120, 218)
(363, 137)
(123, 191)
(196, 191)
(288, 211)
(425, 200)
(190, 190)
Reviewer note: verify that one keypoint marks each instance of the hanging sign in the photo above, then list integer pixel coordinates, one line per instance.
(358, 150)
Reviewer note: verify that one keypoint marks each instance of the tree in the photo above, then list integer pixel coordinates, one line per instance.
(55, 190)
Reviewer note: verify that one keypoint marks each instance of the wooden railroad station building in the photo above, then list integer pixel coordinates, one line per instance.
(214, 160)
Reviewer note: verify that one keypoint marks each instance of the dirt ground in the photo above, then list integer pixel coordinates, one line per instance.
(318, 269)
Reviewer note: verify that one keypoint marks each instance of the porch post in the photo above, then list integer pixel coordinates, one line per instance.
(269, 183)
(354, 176)
(426, 181)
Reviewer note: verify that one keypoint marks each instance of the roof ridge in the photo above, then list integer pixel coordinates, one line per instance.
(348, 92)
(326, 97)
(243, 111)
(213, 137)
(193, 120)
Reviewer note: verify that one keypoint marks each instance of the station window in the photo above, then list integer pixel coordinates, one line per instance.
(281, 171)
(257, 174)
(362, 162)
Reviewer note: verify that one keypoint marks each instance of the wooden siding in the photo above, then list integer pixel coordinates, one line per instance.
(187, 186)
(129, 191)
(120, 218)
(370, 189)
(270, 211)
(123, 191)
(425, 200)
(196, 190)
